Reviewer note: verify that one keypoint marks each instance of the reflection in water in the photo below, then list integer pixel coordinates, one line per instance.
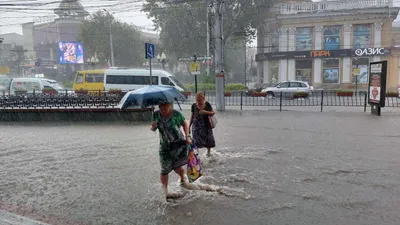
(278, 168)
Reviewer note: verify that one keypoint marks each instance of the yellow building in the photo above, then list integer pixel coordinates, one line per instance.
(328, 43)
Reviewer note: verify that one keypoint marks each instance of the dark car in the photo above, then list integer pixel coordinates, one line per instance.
(259, 88)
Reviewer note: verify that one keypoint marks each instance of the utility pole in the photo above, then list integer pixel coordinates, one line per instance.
(208, 37)
(245, 62)
(111, 45)
(111, 38)
(219, 70)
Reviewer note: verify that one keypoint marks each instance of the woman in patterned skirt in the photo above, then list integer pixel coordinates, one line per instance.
(203, 136)
(173, 144)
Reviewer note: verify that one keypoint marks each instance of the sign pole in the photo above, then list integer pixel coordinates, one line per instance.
(151, 80)
(149, 54)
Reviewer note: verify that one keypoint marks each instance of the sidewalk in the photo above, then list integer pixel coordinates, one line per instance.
(7, 218)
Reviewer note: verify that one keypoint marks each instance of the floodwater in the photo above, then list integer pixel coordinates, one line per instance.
(269, 168)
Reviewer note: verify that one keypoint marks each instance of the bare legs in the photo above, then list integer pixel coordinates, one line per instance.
(208, 151)
(164, 181)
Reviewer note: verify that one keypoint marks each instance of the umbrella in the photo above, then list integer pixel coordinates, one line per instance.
(151, 95)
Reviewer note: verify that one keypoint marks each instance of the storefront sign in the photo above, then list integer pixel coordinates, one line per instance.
(371, 51)
(304, 54)
(377, 84)
(320, 53)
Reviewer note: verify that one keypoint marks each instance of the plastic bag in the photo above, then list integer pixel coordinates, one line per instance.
(194, 166)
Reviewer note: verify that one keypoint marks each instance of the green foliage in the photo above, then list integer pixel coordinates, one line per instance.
(300, 95)
(68, 84)
(211, 87)
(344, 91)
(183, 26)
(128, 48)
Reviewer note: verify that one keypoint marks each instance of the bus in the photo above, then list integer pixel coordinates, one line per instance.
(131, 79)
(89, 80)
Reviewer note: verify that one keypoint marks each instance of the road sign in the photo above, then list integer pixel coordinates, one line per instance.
(150, 51)
(195, 68)
(197, 58)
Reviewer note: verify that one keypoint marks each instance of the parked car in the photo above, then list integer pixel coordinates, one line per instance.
(288, 88)
(249, 92)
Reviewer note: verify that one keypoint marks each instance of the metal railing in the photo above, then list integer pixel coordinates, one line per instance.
(98, 99)
(283, 99)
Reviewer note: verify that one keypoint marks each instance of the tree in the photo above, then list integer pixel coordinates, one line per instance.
(18, 59)
(183, 26)
(128, 48)
(183, 29)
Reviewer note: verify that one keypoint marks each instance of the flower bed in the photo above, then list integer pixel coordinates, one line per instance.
(258, 94)
(344, 93)
(300, 95)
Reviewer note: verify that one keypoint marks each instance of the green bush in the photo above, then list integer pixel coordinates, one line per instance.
(68, 84)
(344, 91)
(211, 87)
(235, 87)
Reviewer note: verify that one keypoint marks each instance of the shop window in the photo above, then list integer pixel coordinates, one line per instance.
(330, 71)
(304, 70)
(273, 71)
(360, 70)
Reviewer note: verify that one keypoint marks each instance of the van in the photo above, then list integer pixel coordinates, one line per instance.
(26, 86)
(89, 80)
(131, 79)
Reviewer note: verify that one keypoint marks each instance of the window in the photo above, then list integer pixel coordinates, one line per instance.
(166, 81)
(304, 70)
(135, 80)
(304, 38)
(284, 85)
(330, 71)
(94, 78)
(332, 37)
(177, 82)
(295, 84)
(360, 70)
(79, 79)
(361, 35)
(273, 71)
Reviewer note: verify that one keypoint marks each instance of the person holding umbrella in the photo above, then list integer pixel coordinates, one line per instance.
(173, 143)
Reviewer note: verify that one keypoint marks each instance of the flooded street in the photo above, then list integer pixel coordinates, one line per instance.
(269, 167)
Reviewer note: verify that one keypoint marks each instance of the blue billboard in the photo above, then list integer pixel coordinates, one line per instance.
(332, 37)
(70, 52)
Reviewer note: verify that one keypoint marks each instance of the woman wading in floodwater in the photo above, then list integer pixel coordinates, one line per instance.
(173, 144)
(203, 136)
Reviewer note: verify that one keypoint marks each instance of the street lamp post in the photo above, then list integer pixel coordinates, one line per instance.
(162, 59)
(93, 61)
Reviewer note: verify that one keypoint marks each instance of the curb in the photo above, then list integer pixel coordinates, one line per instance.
(7, 218)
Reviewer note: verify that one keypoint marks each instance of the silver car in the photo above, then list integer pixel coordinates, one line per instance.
(288, 88)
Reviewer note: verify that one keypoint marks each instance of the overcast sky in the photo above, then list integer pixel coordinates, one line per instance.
(124, 10)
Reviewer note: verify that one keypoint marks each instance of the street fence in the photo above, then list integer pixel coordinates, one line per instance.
(96, 99)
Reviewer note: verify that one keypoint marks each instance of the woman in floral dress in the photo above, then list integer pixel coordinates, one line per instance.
(173, 144)
(203, 136)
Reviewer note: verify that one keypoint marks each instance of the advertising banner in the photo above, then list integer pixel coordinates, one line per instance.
(361, 35)
(304, 38)
(377, 83)
(332, 37)
(70, 52)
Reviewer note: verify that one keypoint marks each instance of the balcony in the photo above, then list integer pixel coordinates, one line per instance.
(311, 7)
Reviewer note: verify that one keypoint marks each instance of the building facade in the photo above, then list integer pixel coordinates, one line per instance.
(328, 44)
